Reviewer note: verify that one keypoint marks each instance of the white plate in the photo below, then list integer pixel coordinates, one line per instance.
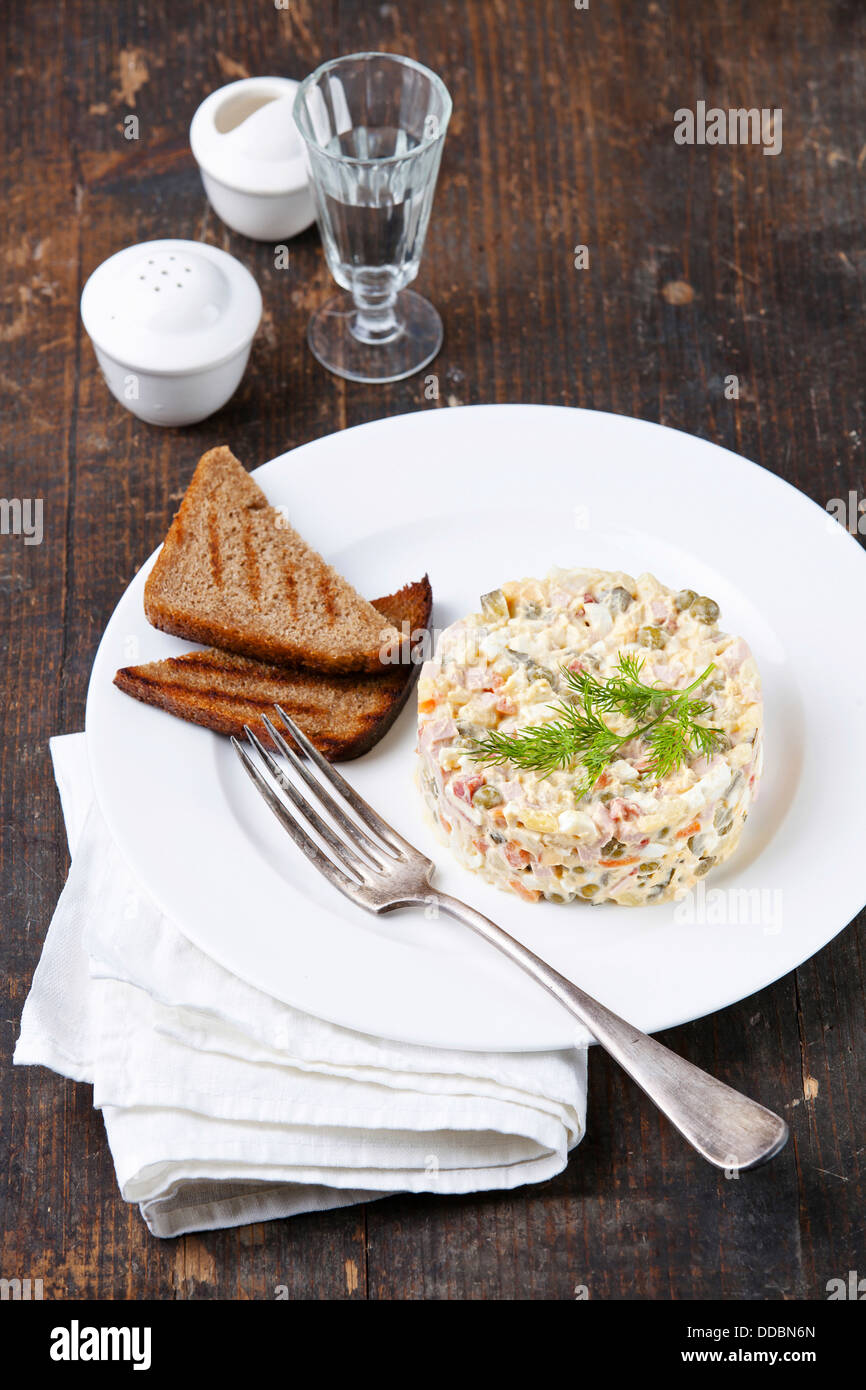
(477, 496)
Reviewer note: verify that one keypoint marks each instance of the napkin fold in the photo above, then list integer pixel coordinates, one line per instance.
(223, 1105)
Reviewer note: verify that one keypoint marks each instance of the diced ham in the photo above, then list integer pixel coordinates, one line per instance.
(438, 731)
(511, 790)
(466, 787)
(732, 659)
(667, 673)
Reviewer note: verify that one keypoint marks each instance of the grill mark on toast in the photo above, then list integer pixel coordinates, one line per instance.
(253, 577)
(325, 590)
(213, 546)
(214, 694)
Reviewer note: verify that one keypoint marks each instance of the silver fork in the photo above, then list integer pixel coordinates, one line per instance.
(379, 870)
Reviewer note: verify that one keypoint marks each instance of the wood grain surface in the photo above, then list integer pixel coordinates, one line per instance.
(703, 263)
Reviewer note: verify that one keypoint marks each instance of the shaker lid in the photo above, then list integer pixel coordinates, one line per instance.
(244, 135)
(171, 307)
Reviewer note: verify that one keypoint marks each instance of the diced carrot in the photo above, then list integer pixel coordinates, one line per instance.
(505, 706)
(481, 846)
(445, 826)
(426, 706)
(618, 863)
(517, 857)
(623, 810)
(603, 780)
(689, 830)
(497, 813)
(529, 895)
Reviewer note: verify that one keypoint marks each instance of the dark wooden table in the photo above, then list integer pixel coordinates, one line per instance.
(704, 263)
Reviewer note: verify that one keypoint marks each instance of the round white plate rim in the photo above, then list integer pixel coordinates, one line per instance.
(557, 1030)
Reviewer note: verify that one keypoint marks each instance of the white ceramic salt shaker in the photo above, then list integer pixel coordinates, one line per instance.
(172, 323)
(251, 158)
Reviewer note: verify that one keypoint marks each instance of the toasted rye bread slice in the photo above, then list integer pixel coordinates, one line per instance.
(343, 715)
(233, 573)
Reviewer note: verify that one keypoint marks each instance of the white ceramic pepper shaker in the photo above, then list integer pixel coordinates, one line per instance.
(172, 323)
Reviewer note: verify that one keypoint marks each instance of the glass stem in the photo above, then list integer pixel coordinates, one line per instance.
(375, 319)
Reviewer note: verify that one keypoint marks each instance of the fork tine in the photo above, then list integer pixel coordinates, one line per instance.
(309, 847)
(358, 837)
(344, 853)
(401, 847)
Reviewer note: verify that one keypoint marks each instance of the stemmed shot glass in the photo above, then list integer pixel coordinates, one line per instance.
(374, 126)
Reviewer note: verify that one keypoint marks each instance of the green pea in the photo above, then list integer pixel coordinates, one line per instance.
(651, 637)
(706, 610)
(589, 890)
(649, 867)
(614, 849)
(684, 599)
(704, 866)
(486, 797)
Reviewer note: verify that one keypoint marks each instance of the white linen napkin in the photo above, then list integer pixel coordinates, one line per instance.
(223, 1105)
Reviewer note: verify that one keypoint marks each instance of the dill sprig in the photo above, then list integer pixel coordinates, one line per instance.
(666, 720)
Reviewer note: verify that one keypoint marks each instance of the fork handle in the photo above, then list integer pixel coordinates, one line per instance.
(726, 1128)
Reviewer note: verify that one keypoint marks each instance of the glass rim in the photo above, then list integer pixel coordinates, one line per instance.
(315, 76)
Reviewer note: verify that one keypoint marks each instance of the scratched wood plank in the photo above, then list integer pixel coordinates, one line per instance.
(703, 263)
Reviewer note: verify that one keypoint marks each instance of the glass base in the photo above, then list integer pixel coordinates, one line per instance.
(332, 336)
